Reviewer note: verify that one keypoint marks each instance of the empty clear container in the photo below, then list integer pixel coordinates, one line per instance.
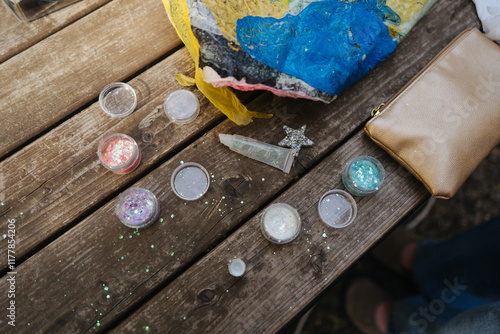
(118, 99)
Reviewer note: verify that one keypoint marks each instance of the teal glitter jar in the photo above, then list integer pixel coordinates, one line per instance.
(363, 176)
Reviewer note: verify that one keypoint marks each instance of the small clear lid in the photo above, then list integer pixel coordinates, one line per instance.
(190, 181)
(137, 207)
(118, 99)
(337, 208)
(237, 267)
(182, 106)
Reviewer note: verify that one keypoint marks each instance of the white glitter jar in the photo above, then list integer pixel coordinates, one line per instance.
(280, 223)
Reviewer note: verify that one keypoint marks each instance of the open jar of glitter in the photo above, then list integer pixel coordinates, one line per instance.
(137, 207)
(337, 208)
(119, 153)
(190, 181)
(363, 176)
(280, 223)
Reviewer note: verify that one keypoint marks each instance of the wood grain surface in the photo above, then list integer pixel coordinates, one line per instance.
(17, 35)
(98, 272)
(67, 70)
(57, 179)
(280, 279)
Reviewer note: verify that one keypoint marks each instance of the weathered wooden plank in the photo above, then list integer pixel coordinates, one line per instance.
(65, 71)
(61, 169)
(280, 279)
(17, 36)
(91, 253)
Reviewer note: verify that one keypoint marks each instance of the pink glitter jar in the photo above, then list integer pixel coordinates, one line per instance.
(137, 207)
(119, 153)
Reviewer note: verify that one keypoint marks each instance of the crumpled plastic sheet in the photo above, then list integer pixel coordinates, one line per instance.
(329, 45)
(489, 14)
(299, 48)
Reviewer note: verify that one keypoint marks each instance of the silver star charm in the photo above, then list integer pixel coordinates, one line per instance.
(295, 138)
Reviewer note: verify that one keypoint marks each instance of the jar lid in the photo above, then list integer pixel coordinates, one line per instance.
(280, 223)
(237, 267)
(118, 99)
(190, 181)
(182, 106)
(337, 208)
(137, 207)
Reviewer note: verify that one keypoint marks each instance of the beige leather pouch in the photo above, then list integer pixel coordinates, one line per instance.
(446, 120)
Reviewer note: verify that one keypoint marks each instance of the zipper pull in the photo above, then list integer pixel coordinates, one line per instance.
(376, 111)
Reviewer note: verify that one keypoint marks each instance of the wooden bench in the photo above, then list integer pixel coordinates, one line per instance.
(80, 270)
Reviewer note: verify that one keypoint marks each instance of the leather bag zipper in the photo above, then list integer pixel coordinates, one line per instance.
(375, 112)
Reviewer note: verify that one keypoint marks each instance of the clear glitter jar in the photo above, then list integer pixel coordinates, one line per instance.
(118, 99)
(280, 223)
(137, 207)
(237, 267)
(337, 208)
(363, 176)
(182, 107)
(190, 181)
(119, 153)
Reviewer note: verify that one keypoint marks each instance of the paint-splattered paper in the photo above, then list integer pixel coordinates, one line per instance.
(295, 48)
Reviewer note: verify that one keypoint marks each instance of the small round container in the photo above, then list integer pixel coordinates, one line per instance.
(337, 208)
(237, 267)
(137, 208)
(182, 107)
(363, 176)
(190, 181)
(119, 153)
(118, 99)
(280, 223)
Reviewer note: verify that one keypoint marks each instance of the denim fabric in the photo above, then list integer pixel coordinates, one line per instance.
(459, 280)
